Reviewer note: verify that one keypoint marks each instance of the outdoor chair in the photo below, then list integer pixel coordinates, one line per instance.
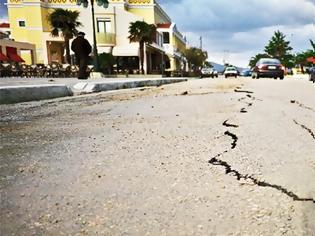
(65, 70)
(40, 70)
(1, 70)
(33, 70)
(25, 70)
(74, 70)
(6, 68)
(15, 70)
(55, 69)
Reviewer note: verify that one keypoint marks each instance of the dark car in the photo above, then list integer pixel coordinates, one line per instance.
(246, 73)
(312, 74)
(268, 68)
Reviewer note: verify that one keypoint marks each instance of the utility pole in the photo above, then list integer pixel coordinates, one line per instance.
(200, 39)
(225, 57)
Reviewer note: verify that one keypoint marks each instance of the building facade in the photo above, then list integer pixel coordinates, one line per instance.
(28, 21)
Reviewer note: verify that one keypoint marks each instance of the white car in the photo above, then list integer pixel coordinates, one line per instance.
(208, 72)
(230, 71)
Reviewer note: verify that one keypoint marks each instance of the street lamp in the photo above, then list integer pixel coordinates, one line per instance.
(85, 3)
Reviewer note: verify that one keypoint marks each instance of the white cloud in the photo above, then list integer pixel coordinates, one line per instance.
(238, 47)
(239, 29)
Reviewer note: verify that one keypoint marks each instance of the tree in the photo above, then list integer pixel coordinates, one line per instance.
(142, 32)
(301, 57)
(256, 58)
(65, 22)
(208, 64)
(279, 48)
(195, 57)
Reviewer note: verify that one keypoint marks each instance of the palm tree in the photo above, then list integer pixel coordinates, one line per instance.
(279, 48)
(65, 22)
(195, 57)
(140, 31)
(313, 45)
(256, 58)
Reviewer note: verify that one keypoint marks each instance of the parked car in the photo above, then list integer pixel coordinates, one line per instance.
(208, 72)
(215, 74)
(246, 73)
(230, 71)
(268, 68)
(312, 74)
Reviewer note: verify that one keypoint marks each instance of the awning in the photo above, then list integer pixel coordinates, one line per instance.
(311, 59)
(124, 51)
(15, 57)
(3, 57)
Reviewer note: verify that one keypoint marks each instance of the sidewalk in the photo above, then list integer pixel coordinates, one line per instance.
(15, 90)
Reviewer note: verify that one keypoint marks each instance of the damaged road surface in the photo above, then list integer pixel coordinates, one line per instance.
(203, 157)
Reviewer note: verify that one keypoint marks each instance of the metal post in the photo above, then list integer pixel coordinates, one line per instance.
(96, 59)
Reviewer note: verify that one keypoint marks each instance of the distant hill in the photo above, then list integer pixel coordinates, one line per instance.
(220, 68)
(217, 67)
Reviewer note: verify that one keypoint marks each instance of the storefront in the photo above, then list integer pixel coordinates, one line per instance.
(12, 51)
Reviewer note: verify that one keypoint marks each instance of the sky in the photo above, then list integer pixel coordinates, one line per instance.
(3, 11)
(235, 30)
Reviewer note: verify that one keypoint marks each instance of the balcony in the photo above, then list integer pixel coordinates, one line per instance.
(106, 38)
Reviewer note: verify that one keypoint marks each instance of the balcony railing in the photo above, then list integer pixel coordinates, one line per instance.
(106, 38)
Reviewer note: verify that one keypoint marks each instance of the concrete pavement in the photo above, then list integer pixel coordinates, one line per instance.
(15, 90)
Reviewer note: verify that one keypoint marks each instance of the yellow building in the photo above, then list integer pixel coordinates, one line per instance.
(28, 20)
(174, 45)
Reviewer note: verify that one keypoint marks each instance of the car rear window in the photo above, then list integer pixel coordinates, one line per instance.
(269, 61)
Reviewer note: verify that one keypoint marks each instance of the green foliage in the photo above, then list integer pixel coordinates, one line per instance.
(279, 48)
(208, 64)
(142, 32)
(65, 22)
(107, 61)
(256, 58)
(301, 57)
(195, 57)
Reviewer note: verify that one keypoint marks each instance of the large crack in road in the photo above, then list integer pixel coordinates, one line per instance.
(302, 105)
(234, 137)
(226, 124)
(306, 128)
(239, 176)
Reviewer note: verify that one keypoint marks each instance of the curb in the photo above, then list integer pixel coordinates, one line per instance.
(16, 94)
(26, 93)
(94, 87)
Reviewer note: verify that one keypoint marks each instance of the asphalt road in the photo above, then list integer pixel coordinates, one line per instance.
(204, 157)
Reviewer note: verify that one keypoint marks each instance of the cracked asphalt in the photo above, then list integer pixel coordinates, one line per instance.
(203, 157)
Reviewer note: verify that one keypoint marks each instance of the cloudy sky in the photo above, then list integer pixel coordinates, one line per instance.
(3, 11)
(235, 30)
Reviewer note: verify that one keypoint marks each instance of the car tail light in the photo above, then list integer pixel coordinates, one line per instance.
(282, 67)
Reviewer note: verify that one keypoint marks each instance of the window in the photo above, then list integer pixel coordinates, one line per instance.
(166, 37)
(103, 25)
(22, 23)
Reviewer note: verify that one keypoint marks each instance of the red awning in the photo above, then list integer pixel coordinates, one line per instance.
(3, 57)
(311, 59)
(15, 57)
